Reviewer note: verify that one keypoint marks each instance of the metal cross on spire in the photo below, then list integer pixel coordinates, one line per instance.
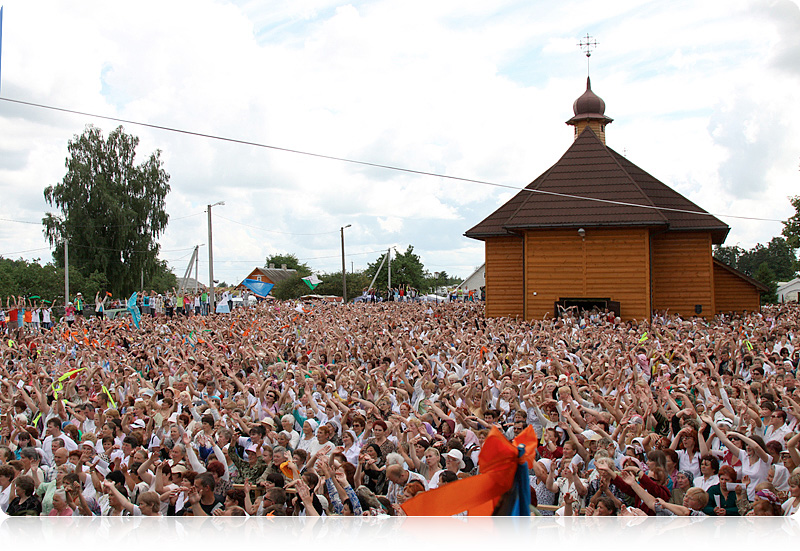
(587, 44)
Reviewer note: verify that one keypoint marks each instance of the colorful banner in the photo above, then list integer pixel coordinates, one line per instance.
(481, 494)
(136, 315)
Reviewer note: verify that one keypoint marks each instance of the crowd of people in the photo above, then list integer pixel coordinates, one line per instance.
(327, 409)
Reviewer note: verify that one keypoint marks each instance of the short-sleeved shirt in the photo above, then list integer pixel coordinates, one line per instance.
(209, 509)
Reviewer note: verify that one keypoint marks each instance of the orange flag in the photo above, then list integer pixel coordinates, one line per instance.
(480, 494)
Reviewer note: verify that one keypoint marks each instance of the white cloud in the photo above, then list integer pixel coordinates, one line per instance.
(701, 93)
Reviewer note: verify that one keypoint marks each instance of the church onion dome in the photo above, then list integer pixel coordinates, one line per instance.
(589, 106)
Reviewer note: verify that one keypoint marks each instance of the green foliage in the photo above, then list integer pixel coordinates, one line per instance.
(729, 255)
(332, 284)
(766, 275)
(23, 278)
(292, 287)
(791, 227)
(440, 279)
(778, 255)
(291, 261)
(407, 269)
(162, 279)
(112, 210)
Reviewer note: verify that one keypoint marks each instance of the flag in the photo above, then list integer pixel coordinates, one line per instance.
(312, 281)
(499, 463)
(517, 501)
(259, 288)
(136, 315)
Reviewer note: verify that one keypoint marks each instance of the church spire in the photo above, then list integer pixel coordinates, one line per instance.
(589, 109)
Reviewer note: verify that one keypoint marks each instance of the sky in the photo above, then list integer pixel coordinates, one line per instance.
(703, 97)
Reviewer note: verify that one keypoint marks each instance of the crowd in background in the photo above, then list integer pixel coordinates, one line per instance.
(328, 409)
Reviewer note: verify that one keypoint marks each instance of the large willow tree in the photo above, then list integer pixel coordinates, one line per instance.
(112, 210)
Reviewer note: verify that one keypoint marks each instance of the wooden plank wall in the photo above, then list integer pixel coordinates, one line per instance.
(734, 294)
(504, 277)
(612, 263)
(683, 273)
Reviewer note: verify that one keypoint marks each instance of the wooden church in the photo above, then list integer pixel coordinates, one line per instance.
(596, 230)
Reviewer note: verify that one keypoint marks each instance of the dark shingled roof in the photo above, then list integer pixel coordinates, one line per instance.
(590, 169)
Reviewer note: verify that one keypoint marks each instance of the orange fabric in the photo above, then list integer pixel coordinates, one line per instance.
(480, 494)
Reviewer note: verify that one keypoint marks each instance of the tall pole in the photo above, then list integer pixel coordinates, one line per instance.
(66, 272)
(344, 270)
(196, 267)
(211, 297)
(211, 307)
(389, 258)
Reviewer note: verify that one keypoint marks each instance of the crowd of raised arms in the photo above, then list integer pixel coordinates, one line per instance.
(328, 409)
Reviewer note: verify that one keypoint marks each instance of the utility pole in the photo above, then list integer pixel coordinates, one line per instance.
(66, 272)
(389, 258)
(211, 298)
(344, 270)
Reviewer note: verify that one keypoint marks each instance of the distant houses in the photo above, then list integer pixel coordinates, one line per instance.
(269, 274)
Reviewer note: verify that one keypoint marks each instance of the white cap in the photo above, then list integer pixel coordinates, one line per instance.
(457, 455)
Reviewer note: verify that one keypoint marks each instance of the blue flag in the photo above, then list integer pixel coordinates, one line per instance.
(516, 502)
(259, 288)
(136, 315)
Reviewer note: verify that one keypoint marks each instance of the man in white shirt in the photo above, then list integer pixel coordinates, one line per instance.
(776, 428)
(53, 429)
(398, 478)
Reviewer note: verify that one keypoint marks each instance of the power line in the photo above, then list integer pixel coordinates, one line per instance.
(26, 251)
(308, 258)
(131, 251)
(94, 225)
(377, 165)
(99, 248)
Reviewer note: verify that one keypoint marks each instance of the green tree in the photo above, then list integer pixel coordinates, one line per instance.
(291, 261)
(440, 279)
(290, 288)
(332, 284)
(407, 269)
(778, 255)
(163, 279)
(24, 278)
(729, 255)
(765, 275)
(791, 227)
(112, 211)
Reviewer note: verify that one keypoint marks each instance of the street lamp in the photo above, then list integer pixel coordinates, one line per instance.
(344, 272)
(212, 303)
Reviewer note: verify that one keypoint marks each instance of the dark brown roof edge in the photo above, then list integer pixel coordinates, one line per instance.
(590, 225)
(747, 278)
